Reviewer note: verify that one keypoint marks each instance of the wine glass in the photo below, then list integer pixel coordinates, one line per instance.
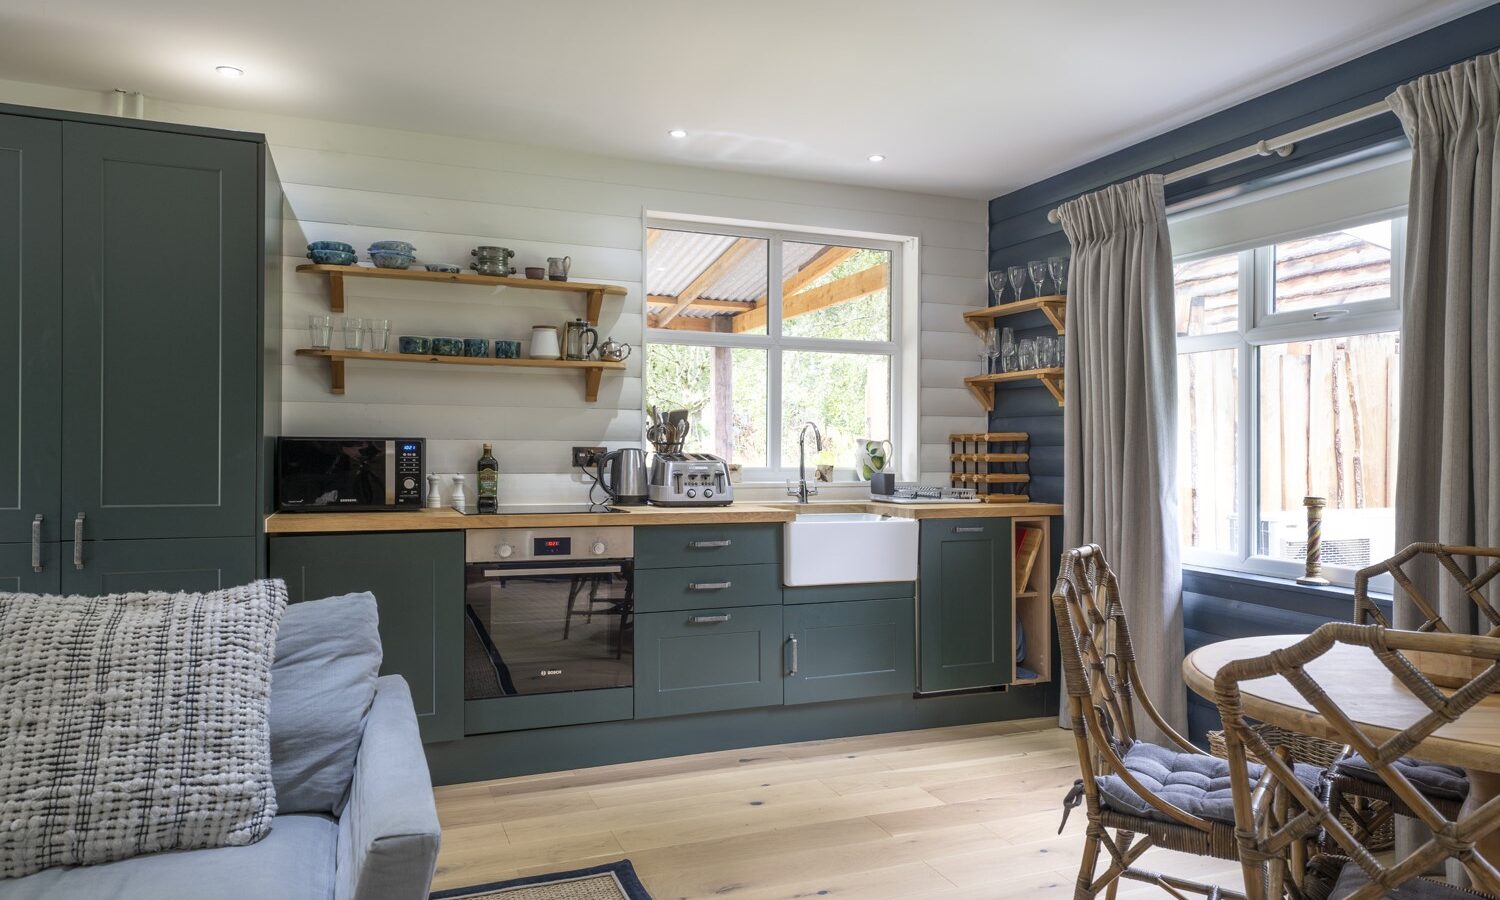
(1038, 269)
(991, 349)
(1017, 279)
(997, 284)
(1059, 267)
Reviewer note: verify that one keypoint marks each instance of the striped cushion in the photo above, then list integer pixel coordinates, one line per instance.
(134, 723)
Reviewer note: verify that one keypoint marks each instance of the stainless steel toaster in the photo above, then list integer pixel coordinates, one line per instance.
(689, 479)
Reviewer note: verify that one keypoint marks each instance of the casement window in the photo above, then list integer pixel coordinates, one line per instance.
(759, 331)
(1288, 317)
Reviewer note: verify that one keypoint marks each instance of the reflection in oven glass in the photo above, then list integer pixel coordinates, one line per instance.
(538, 634)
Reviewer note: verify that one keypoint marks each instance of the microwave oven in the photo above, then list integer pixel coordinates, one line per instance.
(348, 474)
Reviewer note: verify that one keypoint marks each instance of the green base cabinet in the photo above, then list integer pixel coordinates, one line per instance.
(17, 574)
(965, 636)
(177, 564)
(417, 580)
(706, 660)
(841, 651)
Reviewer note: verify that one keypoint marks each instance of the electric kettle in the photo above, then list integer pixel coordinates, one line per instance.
(622, 474)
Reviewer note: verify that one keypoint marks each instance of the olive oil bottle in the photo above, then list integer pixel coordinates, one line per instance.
(489, 481)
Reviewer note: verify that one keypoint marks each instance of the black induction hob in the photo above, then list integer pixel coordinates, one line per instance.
(555, 509)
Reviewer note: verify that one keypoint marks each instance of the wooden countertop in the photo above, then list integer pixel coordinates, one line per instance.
(738, 513)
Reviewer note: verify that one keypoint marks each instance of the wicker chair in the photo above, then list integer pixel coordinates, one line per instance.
(1277, 812)
(1353, 788)
(1103, 689)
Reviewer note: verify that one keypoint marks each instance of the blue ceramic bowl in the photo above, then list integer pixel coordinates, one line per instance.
(507, 349)
(476, 347)
(386, 260)
(446, 346)
(395, 246)
(442, 267)
(332, 257)
(418, 345)
(340, 246)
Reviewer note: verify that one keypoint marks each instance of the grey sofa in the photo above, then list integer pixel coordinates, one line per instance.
(378, 839)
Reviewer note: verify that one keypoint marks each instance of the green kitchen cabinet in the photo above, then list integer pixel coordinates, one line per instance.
(674, 546)
(841, 651)
(697, 587)
(18, 568)
(31, 337)
(418, 582)
(964, 602)
(174, 564)
(706, 660)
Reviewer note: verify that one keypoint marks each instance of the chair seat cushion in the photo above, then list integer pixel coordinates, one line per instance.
(1196, 784)
(1432, 779)
(294, 862)
(1352, 878)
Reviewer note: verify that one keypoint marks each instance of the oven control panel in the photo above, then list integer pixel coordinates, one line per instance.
(482, 545)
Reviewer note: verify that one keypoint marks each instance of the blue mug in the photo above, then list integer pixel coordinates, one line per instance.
(507, 349)
(476, 347)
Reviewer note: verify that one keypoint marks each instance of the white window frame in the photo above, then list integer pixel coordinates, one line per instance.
(1259, 325)
(775, 343)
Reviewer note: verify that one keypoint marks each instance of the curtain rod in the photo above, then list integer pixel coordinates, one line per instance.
(1281, 146)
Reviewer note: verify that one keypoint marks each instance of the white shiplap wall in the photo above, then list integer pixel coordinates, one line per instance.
(447, 194)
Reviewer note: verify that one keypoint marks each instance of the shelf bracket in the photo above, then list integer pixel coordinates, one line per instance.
(335, 375)
(1053, 383)
(1056, 313)
(591, 379)
(593, 304)
(336, 295)
(984, 393)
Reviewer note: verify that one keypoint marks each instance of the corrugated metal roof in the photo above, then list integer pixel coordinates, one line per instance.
(677, 258)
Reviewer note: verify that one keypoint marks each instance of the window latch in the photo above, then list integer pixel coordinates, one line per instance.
(1321, 314)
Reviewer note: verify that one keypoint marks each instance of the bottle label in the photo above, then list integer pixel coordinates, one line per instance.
(488, 483)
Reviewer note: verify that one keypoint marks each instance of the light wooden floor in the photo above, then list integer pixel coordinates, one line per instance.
(966, 812)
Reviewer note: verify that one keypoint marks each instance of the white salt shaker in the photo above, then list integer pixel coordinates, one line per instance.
(434, 491)
(460, 493)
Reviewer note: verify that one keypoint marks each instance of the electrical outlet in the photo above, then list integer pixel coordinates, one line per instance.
(587, 457)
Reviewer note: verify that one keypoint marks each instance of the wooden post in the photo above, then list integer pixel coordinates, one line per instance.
(722, 385)
(1314, 541)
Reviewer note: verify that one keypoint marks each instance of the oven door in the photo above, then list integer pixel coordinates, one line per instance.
(547, 628)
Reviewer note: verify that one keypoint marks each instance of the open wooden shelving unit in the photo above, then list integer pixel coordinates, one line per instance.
(593, 369)
(1032, 606)
(593, 294)
(983, 386)
(1054, 307)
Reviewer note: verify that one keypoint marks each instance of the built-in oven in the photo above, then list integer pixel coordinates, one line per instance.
(548, 626)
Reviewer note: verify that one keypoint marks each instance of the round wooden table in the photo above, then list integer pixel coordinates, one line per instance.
(1369, 694)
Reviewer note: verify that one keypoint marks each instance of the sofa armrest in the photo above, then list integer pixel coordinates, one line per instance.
(388, 834)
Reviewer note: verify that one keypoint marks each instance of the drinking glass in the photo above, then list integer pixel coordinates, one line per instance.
(1038, 269)
(1026, 354)
(1007, 350)
(378, 334)
(1059, 267)
(1047, 352)
(354, 333)
(320, 329)
(1017, 279)
(991, 349)
(997, 284)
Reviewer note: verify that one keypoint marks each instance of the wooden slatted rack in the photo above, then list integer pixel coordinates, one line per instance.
(996, 463)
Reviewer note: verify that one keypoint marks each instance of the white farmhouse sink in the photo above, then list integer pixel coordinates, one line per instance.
(848, 548)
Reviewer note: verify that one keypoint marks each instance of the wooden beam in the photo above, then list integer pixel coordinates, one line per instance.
(715, 270)
(683, 323)
(851, 287)
(815, 268)
(703, 303)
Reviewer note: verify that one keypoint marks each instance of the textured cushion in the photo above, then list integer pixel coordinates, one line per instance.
(1196, 784)
(1352, 878)
(327, 660)
(294, 862)
(1432, 779)
(134, 723)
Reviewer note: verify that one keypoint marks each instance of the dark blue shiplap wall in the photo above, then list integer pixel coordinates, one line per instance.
(1216, 606)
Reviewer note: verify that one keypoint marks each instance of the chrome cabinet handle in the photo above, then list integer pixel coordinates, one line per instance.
(36, 543)
(708, 620)
(709, 585)
(972, 529)
(78, 542)
(705, 545)
(792, 642)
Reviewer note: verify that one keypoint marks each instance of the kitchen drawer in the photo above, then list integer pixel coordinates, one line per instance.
(860, 648)
(674, 546)
(699, 587)
(707, 660)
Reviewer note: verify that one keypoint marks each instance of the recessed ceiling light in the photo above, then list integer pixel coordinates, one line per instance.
(230, 71)
(875, 157)
(678, 132)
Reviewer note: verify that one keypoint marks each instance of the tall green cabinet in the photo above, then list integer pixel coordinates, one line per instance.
(134, 430)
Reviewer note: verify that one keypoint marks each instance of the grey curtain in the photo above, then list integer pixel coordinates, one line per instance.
(1120, 419)
(1448, 489)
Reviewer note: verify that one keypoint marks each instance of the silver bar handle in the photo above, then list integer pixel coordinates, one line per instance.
(558, 570)
(36, 543)
(792, 642)
(970, 529)
(708, 620)
(710, 585)
(705, 545)
(78, 542)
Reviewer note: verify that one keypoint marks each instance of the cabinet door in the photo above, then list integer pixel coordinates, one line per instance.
(839, 651)
(418, 583)
(182, 564)
(160, 295)
(964, 603)
(18, 574)
(30, 326)
(706, 660)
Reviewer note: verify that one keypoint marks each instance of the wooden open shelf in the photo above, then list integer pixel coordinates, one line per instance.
(593, 293)
(1032, 603)
(1054, 307)
(983, 386)
(593, 369)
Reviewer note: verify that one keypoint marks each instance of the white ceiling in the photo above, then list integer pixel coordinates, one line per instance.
(965, 97)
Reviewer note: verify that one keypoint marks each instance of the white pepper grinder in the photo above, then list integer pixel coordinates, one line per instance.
(460, 493)
(434, 491)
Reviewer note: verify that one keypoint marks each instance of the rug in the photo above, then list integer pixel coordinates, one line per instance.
(614, 881)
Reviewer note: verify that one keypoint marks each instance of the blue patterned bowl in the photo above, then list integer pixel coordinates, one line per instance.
(386, 260)
(340, 246)
(446, 346)
(507, 349)
(476, 347)
(394, 247)
(418, 345)
(332, 257)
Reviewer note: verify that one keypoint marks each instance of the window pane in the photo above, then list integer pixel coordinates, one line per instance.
(835, 292)
(1346, 266)
(1328, 429)
(706, 282)
(1207, 401)
(847, 395)
(1208, 295)
(725, 389)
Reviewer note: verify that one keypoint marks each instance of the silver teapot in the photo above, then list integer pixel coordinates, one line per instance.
(614, 351)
